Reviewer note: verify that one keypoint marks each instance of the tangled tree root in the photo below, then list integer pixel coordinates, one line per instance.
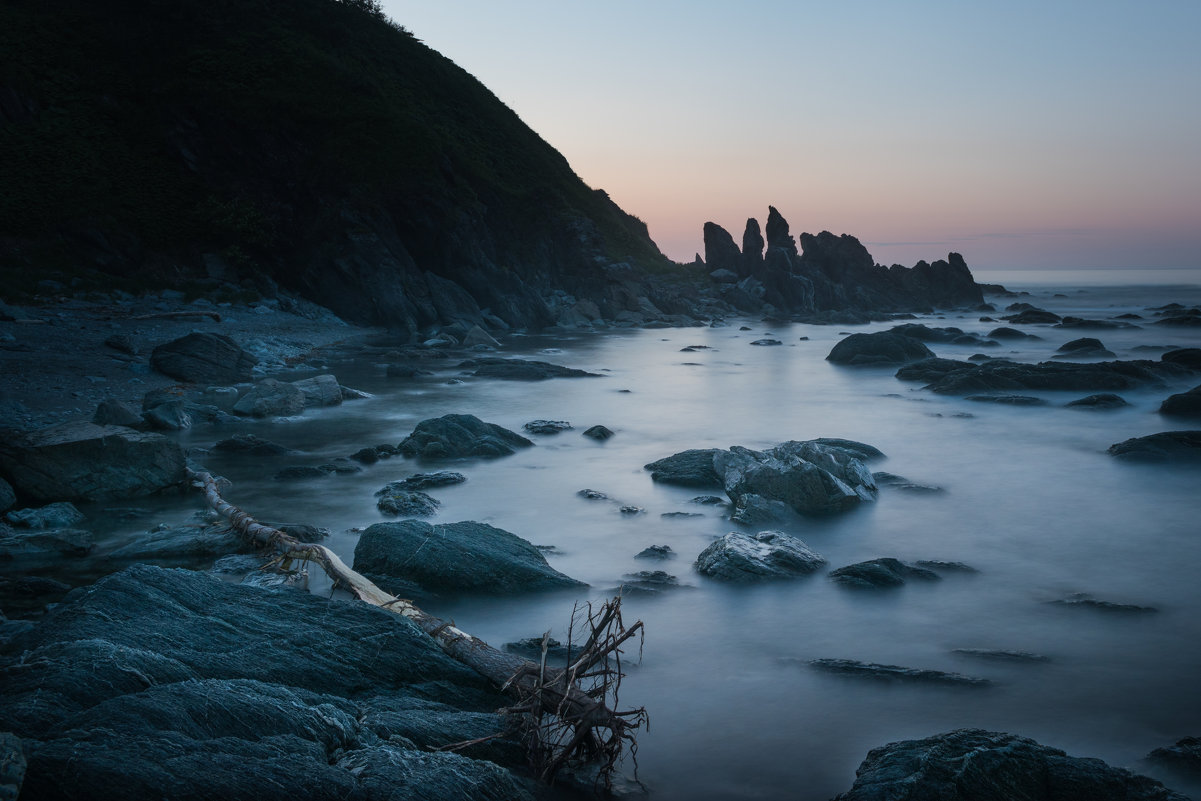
(566, 716)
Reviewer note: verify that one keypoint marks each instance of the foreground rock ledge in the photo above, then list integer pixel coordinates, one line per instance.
(977, 765)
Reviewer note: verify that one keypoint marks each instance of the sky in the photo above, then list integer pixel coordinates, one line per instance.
(1024, 135)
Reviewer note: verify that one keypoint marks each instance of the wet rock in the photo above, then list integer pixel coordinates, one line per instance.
(115, 413)
(1100, 401)
(1184, 756)
(1183, 404)
(811, 477)
(522, 369)
(186, 541)
(1167, 446)
(54, 515)
(156, 679)
(882, 348)
(930, 370)
(593, 495)
(531, 648)
(222, 398)
(1007, 400)
(977, 765)
(997, 655)
(547, 427)
(1033, 316)
(880, 573)
(455, 557)
(404, 370)
(320, 390)
(598, 433)
(251, 445)
(12, 766)
(1006, 376)
(424, 481)
(271, 398)
(455, 436)
(871, 670)
(707, 500)
(767, 342)
(943, 566)
(741, 557)
(1080, 322)
(884, 479)
(1082, 601)
(655, 552)
(301, 472)
(8, 498)
(406, 504)
(648, 582)
(1004, 332)
(1083, 348)
(632, 510)
(1185, 357)
(680, 515)
(84, 461)
(690, 468)
(44, 544)
(169, 416)
(373, 454)
(203, 359)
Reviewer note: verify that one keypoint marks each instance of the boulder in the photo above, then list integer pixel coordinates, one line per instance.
(547, 427)
(655, 552)
(871, 670)
(54, 515)
(1005, 332)
(271, 398)
(1185, 357)
(454, 557)
(203, 359)
(522, 369)
(810, 478)
(741, 557)
(1033, 316)
(1083, 348)
(1100, 401)
(477, 336)
(320, 390)
(767, 342)
(115, 413)
(879, 349)
(456, 436)
(977, 765)
(880, 573)
(8, 498)
(1167, 446)
(424, 481)
(169, 416)
(1183, 404)
(598, 433)
(185, 541)
(252, 445)
(690, 468)
(1184, 756)
(1007, 376)
(404, 503)
(84, 461)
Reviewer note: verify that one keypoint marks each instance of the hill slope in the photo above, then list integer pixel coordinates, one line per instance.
(310, 143)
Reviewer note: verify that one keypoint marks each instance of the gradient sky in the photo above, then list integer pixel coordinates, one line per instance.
(1051, 134)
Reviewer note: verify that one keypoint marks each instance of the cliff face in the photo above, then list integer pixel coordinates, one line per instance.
(309, 144)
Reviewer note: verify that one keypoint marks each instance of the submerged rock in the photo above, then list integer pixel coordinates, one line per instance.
(84, 461)
(998, 655)
(1184, 756)
(1007, 376)
(1183, 404)
(1087, 602)
(1167, 446)
(54, 515)
(1008, 400)
(978, 765)
(1100, 401)
(655, 552)
(522, 369)
(252, 445)
(871, 670)
(455, 557)
(879, 573)
(455, 436)
(1083, 348)
(424, 481)
(882, 348)
(741, 557)
(598, 433)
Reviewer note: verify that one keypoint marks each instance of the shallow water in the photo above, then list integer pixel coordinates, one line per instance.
(1031, 500)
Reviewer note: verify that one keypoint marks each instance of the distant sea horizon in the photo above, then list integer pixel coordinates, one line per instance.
(1093, 276)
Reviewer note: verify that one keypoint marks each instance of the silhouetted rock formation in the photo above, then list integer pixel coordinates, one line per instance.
(829, 274)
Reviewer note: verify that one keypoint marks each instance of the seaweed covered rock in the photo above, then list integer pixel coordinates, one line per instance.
(455, 436)
(977, 765)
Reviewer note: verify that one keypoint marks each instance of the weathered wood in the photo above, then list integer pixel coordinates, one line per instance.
(553, 692)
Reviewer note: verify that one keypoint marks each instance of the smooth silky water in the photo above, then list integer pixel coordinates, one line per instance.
(1031, 500)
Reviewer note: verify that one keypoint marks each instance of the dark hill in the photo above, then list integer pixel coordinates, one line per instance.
(312, 143)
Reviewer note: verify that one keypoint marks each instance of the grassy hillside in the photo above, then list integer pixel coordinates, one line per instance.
(146, 141)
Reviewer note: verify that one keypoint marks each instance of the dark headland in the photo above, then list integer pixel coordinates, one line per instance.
(178, 180)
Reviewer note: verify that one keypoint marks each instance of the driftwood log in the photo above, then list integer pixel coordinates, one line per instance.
(565, 713)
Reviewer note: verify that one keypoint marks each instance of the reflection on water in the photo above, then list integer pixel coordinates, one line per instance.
(1031, 501)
